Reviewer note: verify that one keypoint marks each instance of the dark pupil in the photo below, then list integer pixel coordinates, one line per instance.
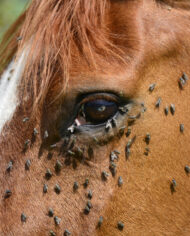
(99, 111)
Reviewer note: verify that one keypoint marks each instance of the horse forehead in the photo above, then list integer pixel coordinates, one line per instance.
(8, 90)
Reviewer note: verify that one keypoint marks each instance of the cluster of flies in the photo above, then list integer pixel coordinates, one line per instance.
(104, 175)
(114, 156)
(87, 208)
(182, 83)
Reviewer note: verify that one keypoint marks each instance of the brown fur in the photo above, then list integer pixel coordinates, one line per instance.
(118, 46)
(61, 30)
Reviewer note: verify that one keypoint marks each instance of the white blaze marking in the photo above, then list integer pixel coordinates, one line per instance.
(8, 89)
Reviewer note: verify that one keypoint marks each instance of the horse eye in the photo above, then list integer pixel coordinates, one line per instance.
(97, 111)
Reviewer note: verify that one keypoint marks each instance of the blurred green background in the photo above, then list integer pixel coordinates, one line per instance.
(9, 11)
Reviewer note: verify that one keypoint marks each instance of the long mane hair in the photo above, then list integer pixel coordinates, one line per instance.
(52, 31)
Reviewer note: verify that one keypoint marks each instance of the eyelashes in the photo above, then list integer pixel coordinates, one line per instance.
(97, 119)
(98, 113)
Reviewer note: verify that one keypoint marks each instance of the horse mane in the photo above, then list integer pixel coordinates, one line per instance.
(54, 31)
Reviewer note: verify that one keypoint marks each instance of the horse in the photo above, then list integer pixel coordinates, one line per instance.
(94, 119)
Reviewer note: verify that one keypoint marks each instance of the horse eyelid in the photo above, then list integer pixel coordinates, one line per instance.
(98, 95)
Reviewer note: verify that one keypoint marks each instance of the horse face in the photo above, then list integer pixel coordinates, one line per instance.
(110, 155)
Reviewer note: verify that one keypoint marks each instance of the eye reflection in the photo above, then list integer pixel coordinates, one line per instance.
(96, 111)
(99, 111)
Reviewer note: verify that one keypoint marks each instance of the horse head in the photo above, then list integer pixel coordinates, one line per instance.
(94, 111)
